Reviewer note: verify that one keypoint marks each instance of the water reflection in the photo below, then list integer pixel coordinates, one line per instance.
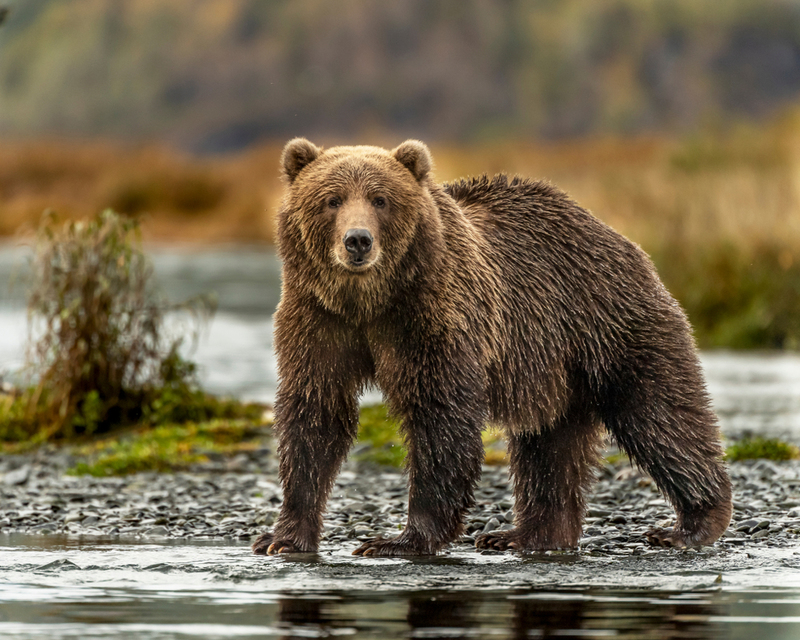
(60, 587)
(449, 614)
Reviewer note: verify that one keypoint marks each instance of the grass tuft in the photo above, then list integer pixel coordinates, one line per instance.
(758, 448)
(377, 429)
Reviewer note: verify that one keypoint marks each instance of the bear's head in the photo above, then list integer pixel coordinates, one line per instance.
(350, 218)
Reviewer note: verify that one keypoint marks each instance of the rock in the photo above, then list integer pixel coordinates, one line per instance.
(18, 476)
(492, 525)
(213, 503)
(59, 565)
(747, 526)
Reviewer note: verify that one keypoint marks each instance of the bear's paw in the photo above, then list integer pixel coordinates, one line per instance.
(267, 545)
(402, 545)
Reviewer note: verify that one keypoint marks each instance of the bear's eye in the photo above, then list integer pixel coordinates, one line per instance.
(379, 202)
(334, 202)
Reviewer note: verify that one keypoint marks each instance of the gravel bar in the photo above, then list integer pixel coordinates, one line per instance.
(235, 499)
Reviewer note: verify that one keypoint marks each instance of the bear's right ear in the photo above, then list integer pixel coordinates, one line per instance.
(298, 153)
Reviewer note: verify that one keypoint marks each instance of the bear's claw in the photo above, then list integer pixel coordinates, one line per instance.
(498, 540)
(387, 547)
(266, 545)
(262, 543)
(667, 537)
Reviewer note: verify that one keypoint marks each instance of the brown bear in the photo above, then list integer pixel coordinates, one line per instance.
(485, 300)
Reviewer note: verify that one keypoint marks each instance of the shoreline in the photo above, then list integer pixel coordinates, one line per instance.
(236, 498)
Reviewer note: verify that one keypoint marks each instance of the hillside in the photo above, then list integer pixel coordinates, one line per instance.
(216, 75)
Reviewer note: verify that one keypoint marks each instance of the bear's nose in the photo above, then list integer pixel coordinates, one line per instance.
(358, 242)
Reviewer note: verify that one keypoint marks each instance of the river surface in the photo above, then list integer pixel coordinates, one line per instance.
(752, 391)
(70, 587)
(52, 587)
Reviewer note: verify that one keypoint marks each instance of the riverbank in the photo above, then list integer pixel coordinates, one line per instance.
(234, 498)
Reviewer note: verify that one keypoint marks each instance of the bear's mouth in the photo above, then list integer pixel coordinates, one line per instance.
(358, 265)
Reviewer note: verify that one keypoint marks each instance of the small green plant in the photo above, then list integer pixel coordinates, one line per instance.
(382, 432)
(170, 447)
(757, 447)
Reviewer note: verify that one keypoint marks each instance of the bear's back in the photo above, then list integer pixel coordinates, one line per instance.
(534, 229)
(565, 273)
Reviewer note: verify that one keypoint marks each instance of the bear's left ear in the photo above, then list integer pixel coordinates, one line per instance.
(415, 157)
(297, 154)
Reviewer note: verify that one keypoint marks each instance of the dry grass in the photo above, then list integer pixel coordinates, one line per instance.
(181, 199)
(742, 188)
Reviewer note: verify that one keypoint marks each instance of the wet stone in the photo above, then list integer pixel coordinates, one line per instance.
(492, 525)
(747, 525)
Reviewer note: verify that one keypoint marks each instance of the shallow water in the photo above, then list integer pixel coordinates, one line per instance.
(55, 587)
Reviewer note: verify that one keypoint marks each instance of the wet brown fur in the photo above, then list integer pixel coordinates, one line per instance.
(483, 300)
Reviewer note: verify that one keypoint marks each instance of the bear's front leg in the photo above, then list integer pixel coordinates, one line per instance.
(315, 432)
(442, 430)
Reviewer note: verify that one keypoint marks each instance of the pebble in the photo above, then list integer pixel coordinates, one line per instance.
(239, 498)
(18, 476)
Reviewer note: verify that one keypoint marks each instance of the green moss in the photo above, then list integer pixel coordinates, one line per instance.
(617, 458)
(494, 447)
(381, 432)
(165, 448)
(762, 448)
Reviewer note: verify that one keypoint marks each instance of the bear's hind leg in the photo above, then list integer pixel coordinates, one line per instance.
(552, 470)
(669, 431)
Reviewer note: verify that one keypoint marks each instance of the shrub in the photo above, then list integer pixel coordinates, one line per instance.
(736, 298)
(97, 341)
